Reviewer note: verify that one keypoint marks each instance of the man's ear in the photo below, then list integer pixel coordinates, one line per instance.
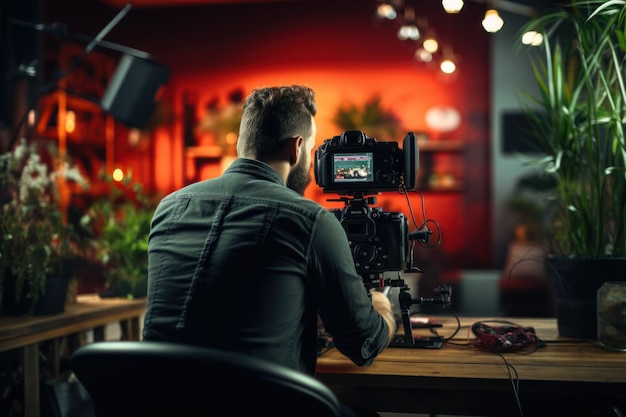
(295, 145)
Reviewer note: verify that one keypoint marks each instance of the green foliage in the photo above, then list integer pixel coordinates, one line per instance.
(35, 240)
(577, 119)
(370, 117)
(120, 220)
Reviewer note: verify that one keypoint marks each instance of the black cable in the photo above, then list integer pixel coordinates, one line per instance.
(425, 220)
(514, 383)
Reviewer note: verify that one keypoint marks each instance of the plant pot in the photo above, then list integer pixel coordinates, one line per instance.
(52, 301)
(126, 289)
(576, 284)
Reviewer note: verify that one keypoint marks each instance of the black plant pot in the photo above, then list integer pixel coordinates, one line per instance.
(52, 301)
(576, 285)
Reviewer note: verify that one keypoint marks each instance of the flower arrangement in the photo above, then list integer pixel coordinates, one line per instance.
(35, 239)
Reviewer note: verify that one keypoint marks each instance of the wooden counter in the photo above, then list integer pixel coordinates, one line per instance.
(89, 313)
(464, 380)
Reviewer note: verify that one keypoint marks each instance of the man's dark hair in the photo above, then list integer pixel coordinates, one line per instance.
(271, 115)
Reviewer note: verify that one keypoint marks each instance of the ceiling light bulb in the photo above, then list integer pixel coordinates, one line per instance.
(452, 6)
(447, 66)
(423, 55)
(532, 38)
(70, 121)
(386, 11)
(431, 45)
(409, 31)
(492, 21)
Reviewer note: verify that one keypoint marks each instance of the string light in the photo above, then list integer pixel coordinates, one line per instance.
(532, 38)
(431, 45)
(492, 21)
(452, 6)
(409, 29)
(386, 11)
(447, 66)
(429, 48)
(423, 55)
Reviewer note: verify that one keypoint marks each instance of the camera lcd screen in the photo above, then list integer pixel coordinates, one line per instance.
(353, 167)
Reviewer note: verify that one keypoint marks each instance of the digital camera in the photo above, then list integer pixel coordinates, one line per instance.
(379, 240)
(356, 165)
(353, 163)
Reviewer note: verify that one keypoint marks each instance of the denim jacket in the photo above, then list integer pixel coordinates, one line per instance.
(243, 263)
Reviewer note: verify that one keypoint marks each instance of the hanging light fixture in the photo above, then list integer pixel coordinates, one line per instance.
(430, 44)
(386, 10)
(449, 60)
(532, 38)
(492, 22)
(447, 65)
(409, 29)
(422, 55)
(452, 6)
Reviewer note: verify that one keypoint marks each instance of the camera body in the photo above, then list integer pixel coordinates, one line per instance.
(355, 163)
(379, 240)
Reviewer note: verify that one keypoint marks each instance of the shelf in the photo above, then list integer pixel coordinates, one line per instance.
(441, 189)
(441, 146)
(208, 152)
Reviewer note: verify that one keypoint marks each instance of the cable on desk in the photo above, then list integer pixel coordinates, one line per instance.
(447, 339)
(514, 383)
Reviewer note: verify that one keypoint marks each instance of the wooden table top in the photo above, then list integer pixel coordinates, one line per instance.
(562, 359)
(90, 311)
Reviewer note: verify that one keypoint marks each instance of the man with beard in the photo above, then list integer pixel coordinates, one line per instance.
(244, 262)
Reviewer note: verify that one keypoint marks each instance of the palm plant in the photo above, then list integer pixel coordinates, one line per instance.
(578, 120)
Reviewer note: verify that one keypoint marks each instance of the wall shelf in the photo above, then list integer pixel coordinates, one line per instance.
(441, 146)
(441, 165)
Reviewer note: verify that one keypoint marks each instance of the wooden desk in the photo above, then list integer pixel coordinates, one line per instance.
(89, 313)
(457, 379)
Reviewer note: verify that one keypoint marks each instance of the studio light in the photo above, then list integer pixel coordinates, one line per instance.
(492, 21)
(452, 6)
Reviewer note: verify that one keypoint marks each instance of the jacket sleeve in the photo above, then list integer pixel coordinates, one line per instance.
(358, 331)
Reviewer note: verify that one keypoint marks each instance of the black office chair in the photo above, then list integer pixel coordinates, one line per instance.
(156, 379)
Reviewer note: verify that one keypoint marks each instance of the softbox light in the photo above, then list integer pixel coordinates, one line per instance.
(131, 94)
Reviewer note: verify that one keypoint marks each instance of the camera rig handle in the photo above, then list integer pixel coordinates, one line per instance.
(404, 298)
(444, 298)
(406, 301)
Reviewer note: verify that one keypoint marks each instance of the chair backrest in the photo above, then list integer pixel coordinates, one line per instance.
(126, 378)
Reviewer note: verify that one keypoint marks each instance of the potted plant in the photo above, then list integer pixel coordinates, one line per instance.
(36, 243)
(577, 120)
(119, 223)
(371, 118)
